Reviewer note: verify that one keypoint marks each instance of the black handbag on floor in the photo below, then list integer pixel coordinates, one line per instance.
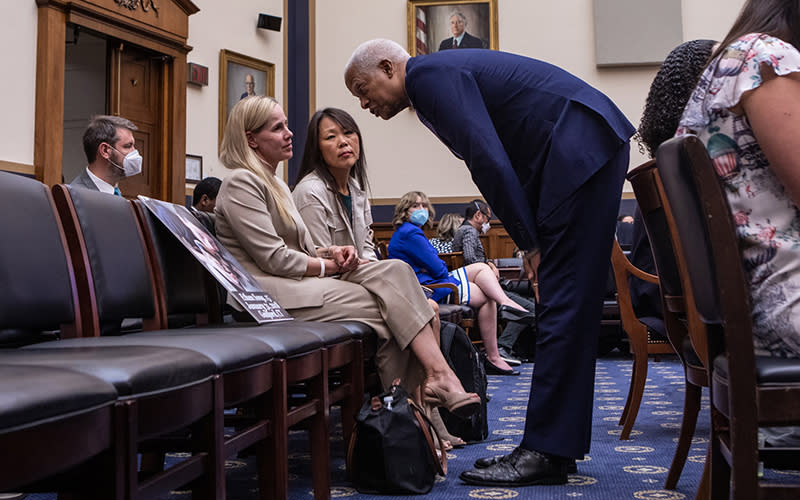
(392, 450)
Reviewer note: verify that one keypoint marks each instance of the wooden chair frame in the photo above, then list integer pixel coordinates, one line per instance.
(311, 369)
(680, 314)
(641, 344)
(705, 228)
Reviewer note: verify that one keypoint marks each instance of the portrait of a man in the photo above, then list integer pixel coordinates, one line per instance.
(249, 86)
(241, 76)
(460, 38)
(434, 25)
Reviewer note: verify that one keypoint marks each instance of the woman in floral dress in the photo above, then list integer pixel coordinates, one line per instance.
(746, 110)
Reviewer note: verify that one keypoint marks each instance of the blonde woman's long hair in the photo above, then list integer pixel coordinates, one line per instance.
(249, 115)
(408, 199)
(446, 230)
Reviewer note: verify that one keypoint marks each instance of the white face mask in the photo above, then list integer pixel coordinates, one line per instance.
(485, 227)
(131, 165)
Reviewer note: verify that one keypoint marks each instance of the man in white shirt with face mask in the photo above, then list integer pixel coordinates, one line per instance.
(111, 154)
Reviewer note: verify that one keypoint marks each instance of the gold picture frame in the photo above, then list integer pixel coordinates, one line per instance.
(429, 25)
(235, 70)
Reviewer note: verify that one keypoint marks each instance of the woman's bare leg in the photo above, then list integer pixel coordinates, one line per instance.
(426, 348)
(487, 322)
(483, 276)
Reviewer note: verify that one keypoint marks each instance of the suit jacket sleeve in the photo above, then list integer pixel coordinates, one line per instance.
(453, 105)
(425, 256)
(367, 246)
(250, 212)
(312, 209)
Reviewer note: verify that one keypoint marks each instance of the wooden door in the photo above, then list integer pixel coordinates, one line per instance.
(137, 93)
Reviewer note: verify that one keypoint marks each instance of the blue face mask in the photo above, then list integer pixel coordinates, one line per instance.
(419, 217)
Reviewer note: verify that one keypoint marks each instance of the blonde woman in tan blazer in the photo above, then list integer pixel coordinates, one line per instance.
(331, 187)
(259, 224)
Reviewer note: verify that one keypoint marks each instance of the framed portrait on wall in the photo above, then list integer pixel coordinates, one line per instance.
(435, 25)
(241, 76)
(194, 169)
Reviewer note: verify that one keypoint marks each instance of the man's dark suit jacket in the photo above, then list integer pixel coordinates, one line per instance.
(468, 42)
(530, 133)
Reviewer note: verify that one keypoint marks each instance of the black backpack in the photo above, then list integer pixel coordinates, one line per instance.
(467, 363)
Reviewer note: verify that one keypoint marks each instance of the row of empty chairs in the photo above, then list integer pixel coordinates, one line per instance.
(78, 411)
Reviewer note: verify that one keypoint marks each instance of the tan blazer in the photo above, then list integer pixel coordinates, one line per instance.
(326, 218)
(384, 295)
(273, 250)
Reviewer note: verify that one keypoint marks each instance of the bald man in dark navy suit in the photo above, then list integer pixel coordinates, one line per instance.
(549, 153)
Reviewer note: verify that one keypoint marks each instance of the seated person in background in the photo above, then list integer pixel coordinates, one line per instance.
(744, 109)
(111, 153)
(477, 284)
(204, 199)
(259, 224)
(445, 231)
(467, 240)
(666, 99)
(624, 231)
(331, 187)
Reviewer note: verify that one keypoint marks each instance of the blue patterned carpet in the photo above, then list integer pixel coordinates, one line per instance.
(614, 470)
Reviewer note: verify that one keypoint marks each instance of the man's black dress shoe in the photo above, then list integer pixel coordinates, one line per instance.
(518, 315)
(482, 463)
(521, 468)
(492, 369)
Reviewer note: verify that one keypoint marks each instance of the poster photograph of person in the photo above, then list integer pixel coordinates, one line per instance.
(216, 259)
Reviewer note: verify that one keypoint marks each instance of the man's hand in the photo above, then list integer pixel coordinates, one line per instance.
(345, 257)
(530, 263)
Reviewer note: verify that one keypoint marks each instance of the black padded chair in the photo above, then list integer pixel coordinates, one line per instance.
(188, 288)
(680, 315)
(153, 387)
(108, 246)
(747, 391)
(52, 430)
(646, 335)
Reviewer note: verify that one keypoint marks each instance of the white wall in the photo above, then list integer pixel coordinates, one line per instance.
(560, 32)
(18, 84)
(232, 26)
(403, 155)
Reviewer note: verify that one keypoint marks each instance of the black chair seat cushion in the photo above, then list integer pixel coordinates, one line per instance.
(508, 262)
(33, 395)
(769, 370)
(357, 329)
(655, 328)
(131, 370)
(229, 353)
(689, 354)
(329, 333)
(450, 313)
(286, 341)
(466, 311)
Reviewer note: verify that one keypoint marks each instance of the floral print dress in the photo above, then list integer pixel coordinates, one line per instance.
(767, 221)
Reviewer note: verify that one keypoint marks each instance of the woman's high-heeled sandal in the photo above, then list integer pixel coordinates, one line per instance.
(462, 404)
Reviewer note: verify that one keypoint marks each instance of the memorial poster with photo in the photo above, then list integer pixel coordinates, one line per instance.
(216, 259)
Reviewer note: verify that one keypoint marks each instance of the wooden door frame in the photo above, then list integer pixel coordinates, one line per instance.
(159, 25)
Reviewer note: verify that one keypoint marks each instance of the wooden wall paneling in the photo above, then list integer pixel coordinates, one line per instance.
(175, 129)
(49, 112)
